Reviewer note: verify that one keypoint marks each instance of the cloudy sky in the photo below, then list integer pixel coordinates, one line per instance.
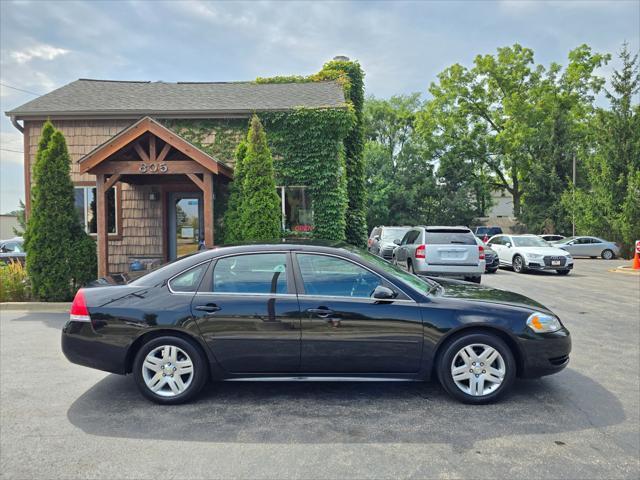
(401, 45)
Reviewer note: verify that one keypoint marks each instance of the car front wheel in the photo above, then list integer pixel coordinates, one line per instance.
(477, 368)
(169, 370)
(518, 264)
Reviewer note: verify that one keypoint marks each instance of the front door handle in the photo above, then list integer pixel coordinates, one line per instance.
(321, 312)
(212, 307)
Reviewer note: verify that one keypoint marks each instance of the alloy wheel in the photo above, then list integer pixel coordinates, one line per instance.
(167, 371)
(517, 264)
(607, 254)
(478, 369)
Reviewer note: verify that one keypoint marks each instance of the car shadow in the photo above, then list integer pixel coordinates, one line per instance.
(315, 413)
(51, 320)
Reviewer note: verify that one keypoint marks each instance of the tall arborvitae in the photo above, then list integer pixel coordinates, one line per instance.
(260, 204)
(59, 254)
(232, 216)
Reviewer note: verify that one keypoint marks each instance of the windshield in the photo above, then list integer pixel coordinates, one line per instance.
(529, 242)
(418, 283)
(394, 233)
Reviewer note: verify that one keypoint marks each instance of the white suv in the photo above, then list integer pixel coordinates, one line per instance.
(530, 252)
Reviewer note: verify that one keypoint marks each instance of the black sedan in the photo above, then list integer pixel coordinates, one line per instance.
(309, 312)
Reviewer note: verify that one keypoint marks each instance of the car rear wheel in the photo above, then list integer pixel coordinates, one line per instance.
(169, 370)
(410, 267)
(608, 254)
(518, 264)
(476, 368)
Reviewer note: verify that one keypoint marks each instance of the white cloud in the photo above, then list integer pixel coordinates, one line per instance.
(44, 52)
(11, 146)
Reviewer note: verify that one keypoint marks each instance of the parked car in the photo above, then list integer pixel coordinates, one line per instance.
(549, 237)
(384, 240)
(12, 250)
(589, 247)
(441, 251)
(491, 260)
(309, 311)
(530, 252)
(482, 232)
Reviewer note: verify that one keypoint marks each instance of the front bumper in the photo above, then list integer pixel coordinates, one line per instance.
(544, 354)
(83, 346)
(492, 263)
(535, 265)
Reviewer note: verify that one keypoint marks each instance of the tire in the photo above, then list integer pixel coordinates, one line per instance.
(608, 254)
(563, 272)
(452, 357)
(165, 361)
(518, 264)
(493, 270)
(410, 267)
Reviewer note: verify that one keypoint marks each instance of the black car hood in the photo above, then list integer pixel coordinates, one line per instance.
(471, 291)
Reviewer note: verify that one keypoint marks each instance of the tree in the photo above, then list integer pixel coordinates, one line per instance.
(499, 116)
(60, 255)
(607, 202)
(233, 217)
(260, 210)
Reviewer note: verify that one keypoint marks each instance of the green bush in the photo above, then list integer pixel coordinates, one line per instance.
(14, 284)
(59, 256)
(260, 203)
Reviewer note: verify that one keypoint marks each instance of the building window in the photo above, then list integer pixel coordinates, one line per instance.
(85, 203)
(297, 211)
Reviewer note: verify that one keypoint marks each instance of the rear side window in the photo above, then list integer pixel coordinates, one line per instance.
(445, 237)
(256, 273)
(188, 281)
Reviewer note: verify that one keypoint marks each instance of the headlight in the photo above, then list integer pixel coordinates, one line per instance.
(534, 256)
(543, 323)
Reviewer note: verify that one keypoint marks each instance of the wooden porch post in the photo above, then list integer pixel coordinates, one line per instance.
(207, 193)
(101, 222)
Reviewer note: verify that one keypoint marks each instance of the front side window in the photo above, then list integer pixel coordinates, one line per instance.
(264, 273)
(335, 277)
(85, 203)
(297, 211)
(188, 281)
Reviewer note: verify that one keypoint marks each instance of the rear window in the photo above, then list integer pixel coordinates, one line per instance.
(394, 233)
(445, 237)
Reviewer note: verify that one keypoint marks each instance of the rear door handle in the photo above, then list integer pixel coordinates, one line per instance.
(321, 312)
(208, 308)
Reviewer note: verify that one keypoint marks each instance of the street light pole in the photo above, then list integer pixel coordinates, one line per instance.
(573, 201)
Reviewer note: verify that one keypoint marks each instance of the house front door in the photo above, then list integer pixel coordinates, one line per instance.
(186, 225)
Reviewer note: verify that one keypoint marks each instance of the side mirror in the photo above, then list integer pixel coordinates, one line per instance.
(508, 244)
(384, 293)
(396, 241)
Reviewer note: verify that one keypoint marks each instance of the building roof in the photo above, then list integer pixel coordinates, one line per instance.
(107, 98)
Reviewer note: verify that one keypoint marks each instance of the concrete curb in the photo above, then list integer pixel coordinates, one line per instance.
(53, 307)
(625, 269)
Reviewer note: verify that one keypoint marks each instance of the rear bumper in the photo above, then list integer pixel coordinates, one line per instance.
(545, 354)
(423, 268)
(83, 346)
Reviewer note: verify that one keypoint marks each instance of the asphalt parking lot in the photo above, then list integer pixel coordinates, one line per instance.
(60, 420)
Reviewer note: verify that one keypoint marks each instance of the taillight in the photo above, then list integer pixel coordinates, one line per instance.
(481, 252)
(420, 251)
(79, 311)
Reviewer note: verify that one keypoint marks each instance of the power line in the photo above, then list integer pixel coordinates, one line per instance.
(9, 150)
(21, 90)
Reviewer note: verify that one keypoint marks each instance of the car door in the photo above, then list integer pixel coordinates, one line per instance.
(344, 329)
(595, 247)
(248, 313)
(498, 246)
(401, 251)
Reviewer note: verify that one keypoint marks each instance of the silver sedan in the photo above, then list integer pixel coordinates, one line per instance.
(589, 247)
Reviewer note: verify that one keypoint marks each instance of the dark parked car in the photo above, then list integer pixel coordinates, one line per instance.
(482, 232)
(309, 311)
(12, 250)
(492, 261)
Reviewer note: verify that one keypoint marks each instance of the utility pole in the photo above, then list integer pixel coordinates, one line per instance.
(573, 201)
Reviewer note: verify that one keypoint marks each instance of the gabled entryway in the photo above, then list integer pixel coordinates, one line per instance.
(148, 153)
